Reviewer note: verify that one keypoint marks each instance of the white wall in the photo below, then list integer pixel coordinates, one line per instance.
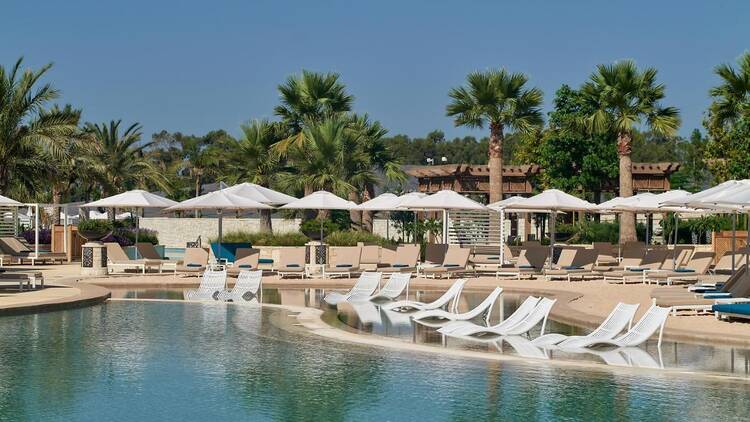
(175, 232)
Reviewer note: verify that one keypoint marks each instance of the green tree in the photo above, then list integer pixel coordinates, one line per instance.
(252, 159)
(118, 161)
(28, 134)
(623, 97)
(502, 101)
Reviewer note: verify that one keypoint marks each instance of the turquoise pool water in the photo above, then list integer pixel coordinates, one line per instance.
(180, 361)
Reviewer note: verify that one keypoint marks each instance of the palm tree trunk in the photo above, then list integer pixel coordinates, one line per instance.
(367, 219)
(355, 215)
(495, 161)
(197, 190)
(627, 219)
(56, 197)
(308, 214)
(265, 221)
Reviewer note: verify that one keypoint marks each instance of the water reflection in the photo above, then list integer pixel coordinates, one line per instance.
(370, 318)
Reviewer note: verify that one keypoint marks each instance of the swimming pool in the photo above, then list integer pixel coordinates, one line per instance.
(190, 361)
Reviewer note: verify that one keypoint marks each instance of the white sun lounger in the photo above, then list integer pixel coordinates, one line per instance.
(537, 315)
(397, 283)
(618, 319)
(483, 309)
(365, 286)
(450, 296)
(212, 283)
(525, 348)
(520, 313)
(367, 313)
(651, 321)
(245, 289)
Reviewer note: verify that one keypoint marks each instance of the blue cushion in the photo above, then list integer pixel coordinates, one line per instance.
(192, 265)
(637, 270)
(245, 266)
(494, 258)
(265, 261)
(684, 270)
(343, 265)
(451, 265)
(716, 295)
(525, 266)
(732, 308)
(572, 267)
(292, 265)
(400, 265)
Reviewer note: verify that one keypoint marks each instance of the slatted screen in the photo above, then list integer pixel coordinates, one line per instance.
(8, 218)
(473, 228)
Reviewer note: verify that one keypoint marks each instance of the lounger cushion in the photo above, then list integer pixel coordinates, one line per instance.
(245, 266)
(450, 265)
(732, 308)
(400, 265)
(343, 265)
(716, 295)
(684, 270)
(193, 265)
(265, 261)
(572, 267)
(292, 265)
(526, 266)
(637, 270)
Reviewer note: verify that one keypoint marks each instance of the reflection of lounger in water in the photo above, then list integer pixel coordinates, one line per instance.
(623, 356)
(524, 347)
(367, 312)
(398, 319)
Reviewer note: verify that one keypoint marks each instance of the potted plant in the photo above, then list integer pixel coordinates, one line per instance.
(94, 230)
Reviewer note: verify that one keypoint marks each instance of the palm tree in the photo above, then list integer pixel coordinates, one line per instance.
(622, 98)
(732, 96)
(328, 159)
(501, 100)
(27, 134)
(118, 162)
(253, 159)
(200, 158)
(311, 97)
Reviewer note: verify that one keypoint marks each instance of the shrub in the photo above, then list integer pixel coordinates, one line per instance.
(313, 227)
(95, 226)
(588, 232)
(45, 236)
(264, 239)
(351, 238)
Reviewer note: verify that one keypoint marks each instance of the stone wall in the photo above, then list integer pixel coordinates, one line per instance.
(175, 232)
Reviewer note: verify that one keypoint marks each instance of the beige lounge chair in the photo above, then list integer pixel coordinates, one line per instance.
(653, 260)
(292, 262)
(405, 260)
(580, 266)
(148, 251)
(194, 261)
(370, 257)
(434, 253)
(530, 262)
(632, 255)
(343, 261)
(14, 248)
(697, 266)
(456, 259)
(683, 300)
(605, 253)
(246, 259)
(118, 259)
(28, 279)
(487, 258)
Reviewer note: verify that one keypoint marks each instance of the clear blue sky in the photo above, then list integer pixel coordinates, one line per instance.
(194, 66)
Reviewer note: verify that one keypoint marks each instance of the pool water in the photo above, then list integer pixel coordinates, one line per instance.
(152, 361)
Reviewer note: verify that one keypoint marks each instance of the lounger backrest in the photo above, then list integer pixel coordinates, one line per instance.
(741, 286)
(531, 244)
(246, 258)
(603, 248)
(534, 257)
(396, 285)
(484, 307)
(346, 256)
(700, 262)
(654, 259)
(725, 262)
(370, 254)
(195, 257)
(249, 281)
(407, 256)
(651, 321)
(367, 283)
(451, 294)
(14, 246)
(585, 258)
(292, 257)
(539, 313)
(115, 252)
(633, 249)
(456, 257)
(619, 319)
(213, 280)
(387, 255)
(147, 250)
(435, 253)
(567, 256)
(520, 313)
(683, 255)
(631, 262)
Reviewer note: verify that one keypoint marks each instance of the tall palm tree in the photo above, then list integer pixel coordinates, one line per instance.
(118, 161)
(253, 159)
(27, 134)
(311, 97)
(623, 97)
(502, 101)
(732, 95)
(329, 159)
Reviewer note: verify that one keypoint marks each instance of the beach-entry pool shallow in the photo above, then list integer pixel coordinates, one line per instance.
(190, 361)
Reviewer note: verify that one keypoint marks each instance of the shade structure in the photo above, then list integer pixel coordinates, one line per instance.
(555, 200)
(445, 200)
(320, 200)
(405, 200)
(219, 200)
(260, 194)
(718, 197)
(137, 199)
(516, 201)
(607, 206)
(7, 202)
